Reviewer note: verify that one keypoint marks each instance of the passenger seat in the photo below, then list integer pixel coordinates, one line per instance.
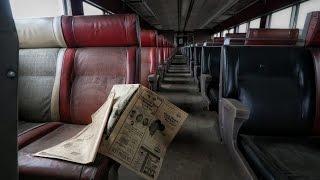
(67, 67)
(149, 59)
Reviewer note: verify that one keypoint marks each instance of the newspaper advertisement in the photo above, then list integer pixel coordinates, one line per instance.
(143, 132)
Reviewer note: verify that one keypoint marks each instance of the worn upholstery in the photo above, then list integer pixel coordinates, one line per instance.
(40, 32)
(94, 31)
(149, 56)
(38, 86)
(67, 85)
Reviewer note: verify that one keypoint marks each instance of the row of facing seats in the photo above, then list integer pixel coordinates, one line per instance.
(268, 103)
(206, 70)
(67, 67)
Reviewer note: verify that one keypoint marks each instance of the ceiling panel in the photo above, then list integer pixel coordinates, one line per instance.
(163, 14)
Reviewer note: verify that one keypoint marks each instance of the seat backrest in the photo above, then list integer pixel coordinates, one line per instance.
(149, 56)
(69, 84)
(279, 84)
(160, 49)
(210, 60)
(276, 83)
(197, 53)
(205, 57)
(311, 34)
(272, 37)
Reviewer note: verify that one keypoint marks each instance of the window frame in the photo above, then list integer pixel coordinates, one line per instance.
(93, 5)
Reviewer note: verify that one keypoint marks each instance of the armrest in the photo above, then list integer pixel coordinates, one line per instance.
(153, 80)
(205, 80)
(232, 114)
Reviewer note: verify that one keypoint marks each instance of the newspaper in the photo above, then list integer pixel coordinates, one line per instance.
(143, 132)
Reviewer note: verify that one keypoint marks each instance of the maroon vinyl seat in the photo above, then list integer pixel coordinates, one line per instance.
(149, 59)
(160, 50)
(272, 37)
(235, 39)
(64, 77)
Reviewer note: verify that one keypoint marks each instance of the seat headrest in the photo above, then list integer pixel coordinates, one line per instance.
(40, 32)
(272, 37)
(94, 31)
(311, 30)
(236, 35)
(148, 38)
(218, 41)
(235, 39)
(79, 31)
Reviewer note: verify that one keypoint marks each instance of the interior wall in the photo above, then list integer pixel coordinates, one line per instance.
(202, 36)
(115, 6)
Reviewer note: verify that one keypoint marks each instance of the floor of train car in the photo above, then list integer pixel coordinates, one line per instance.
(195, 152)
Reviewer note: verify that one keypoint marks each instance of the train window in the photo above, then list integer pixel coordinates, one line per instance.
(231, 30)
(243, 28)
(89, 9)
(224, 33)
(305, 8)
(36, 8)
(281, 19)
(255, 23)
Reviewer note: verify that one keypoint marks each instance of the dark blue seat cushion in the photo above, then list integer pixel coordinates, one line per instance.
(284, 158)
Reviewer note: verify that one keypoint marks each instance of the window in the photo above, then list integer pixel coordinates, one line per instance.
(88, 9)
(243, 28)
(255, 23)
(36, 8)
(224, 33)
(231, 31)
(281, 19)
(305, 8)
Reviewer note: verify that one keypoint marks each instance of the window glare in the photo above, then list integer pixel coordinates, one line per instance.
(36, 8)
(88, 9)
(255, 23)
(305, 8)
(224, 33)
(243, 28)
(281, 19)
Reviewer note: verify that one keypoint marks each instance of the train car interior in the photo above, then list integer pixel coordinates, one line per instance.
(246, 71)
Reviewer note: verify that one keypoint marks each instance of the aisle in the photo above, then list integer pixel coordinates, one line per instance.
(195, 153)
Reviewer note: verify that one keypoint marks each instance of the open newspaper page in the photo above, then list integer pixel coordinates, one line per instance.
(143, 132)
